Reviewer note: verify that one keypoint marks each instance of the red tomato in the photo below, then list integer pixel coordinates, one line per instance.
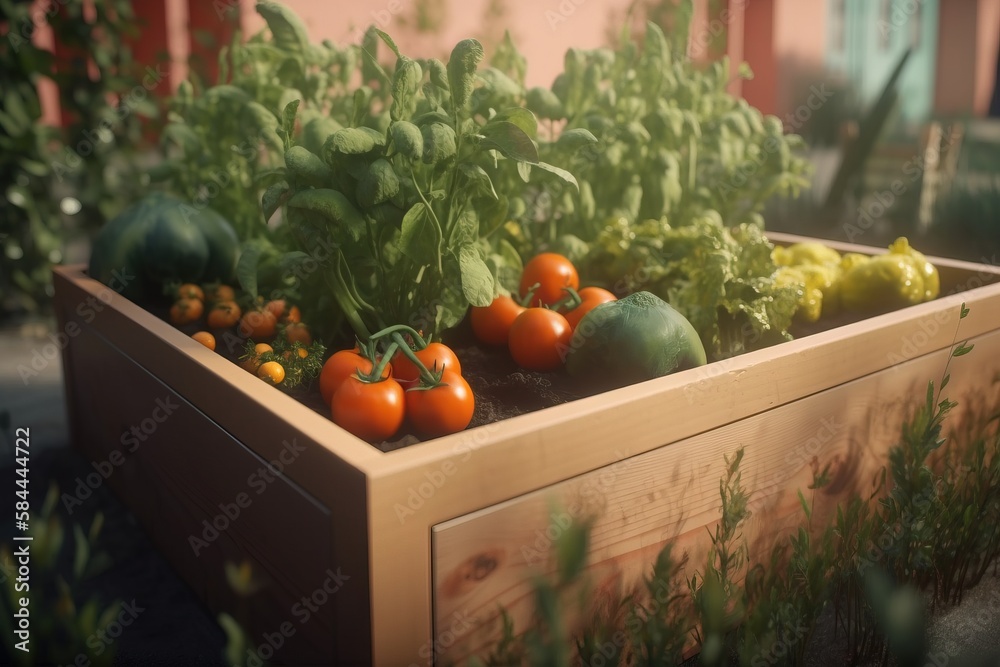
(491, 324)
(372, 411)
(591, 297)
(339, 367)
(539, 339)
(552, 272)
(435, 354)
(446, 408)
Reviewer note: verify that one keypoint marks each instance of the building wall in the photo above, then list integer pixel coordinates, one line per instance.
(968, 36)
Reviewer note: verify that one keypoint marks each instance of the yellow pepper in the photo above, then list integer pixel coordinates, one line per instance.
(811, 252)
(902, 277)
(814, 267)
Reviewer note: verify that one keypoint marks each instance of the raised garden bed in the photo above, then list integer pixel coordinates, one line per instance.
(421, 544)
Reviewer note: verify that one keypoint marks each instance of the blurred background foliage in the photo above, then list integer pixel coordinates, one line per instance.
(61, 183)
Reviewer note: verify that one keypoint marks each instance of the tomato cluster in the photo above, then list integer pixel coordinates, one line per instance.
(537, 329)
(371, 395)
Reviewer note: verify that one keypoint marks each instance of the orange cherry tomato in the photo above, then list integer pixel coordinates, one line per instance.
(446, 408)
(205, 338)
(190, 291)
(271, 372)
(186, 311)
(373, 411)
(252, 363)
(552, 272)
(491, 324)
(296, 332)
(221, 293)
(224, 315)
(259, 324)
(539, 339)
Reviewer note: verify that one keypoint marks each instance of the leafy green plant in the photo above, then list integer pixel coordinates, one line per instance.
(930, 525)
(673, 173)
(61, 183)
(62, 621)
(408, 200)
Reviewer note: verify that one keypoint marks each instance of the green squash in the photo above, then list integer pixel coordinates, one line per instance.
(631, 340)
(160, 240)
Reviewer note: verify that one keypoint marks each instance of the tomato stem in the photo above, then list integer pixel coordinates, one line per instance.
(572, 300)
(526, 301)
(426, 376)
(417, 338)
(379, 368)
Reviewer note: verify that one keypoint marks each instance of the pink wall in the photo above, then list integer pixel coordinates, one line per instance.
(988, 24)
(968, 37)
(785, 46)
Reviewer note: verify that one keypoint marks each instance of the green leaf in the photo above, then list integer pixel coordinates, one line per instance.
(513, 142)
(257, 116)
(964, 312)
(465, 58)
(477, 281)
(289, 33)
(306, 168)
(246, 268)
(575, 139)
(545, 103)
(82, 553)
(439, 143)
(521, 117)
(405, 84)
(492, 214)
(509, 273)
(962, 350)
(288, 121)
(379, 184)
(419, 238)
(524, 171)
(560, 172)
(478, 178)
(333, 206)
(466, 227)
(388, 41)
(571, 550)
(273, 198)
(348, 141)
(438, 73)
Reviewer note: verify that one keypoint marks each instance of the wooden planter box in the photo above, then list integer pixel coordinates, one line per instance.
(405, 555)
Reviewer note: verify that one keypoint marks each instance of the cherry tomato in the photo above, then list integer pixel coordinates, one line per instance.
(539, 339)
(190, 291)
(284, 311)
(552, 272)
(252, 363)
(340, 366)
(372, 411)
(205, 338)
(446, 408)
(186, 311)
(259, 324)
(491, 324)
(591, 297)
(434, 355)
(296, 332)
(271, 372)
(224, 315)
(221, 293)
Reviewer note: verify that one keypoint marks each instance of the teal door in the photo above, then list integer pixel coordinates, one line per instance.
(866, 39)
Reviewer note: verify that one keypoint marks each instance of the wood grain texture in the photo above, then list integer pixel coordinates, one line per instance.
(488, 558)
(384, 506)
